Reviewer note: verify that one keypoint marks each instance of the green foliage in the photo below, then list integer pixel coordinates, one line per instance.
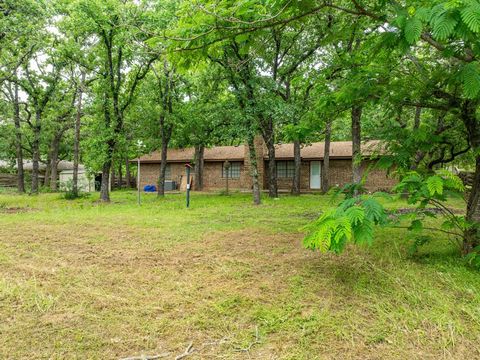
(470, 77)
(413, 30)
(353, 221)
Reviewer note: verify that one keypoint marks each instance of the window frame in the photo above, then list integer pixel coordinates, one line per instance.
(286, 171)
(238, 171)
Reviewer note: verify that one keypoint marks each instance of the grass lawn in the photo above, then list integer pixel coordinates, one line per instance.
(79, 279)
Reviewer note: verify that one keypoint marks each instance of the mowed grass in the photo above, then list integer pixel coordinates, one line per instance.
(83, 280)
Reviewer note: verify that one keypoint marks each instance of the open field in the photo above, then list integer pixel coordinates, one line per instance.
(83, 280)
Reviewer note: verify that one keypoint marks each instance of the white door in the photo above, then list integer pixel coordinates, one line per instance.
(314, 174)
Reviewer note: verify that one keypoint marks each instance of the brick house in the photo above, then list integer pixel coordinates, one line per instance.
(239, 175)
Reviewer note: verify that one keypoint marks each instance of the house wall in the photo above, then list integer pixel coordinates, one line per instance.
(149, 173)
(339, 175)
(212, 175)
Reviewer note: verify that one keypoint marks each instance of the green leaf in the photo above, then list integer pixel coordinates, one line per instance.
(413, 30)
(471, 16)
(355, 215)
(470, 76)
(434, 185)
(416, 225)
(443, 26)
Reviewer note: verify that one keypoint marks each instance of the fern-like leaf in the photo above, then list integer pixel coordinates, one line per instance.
(471, 16)
(413, 30)
(443, 26)
(470, 76)
(435, 185)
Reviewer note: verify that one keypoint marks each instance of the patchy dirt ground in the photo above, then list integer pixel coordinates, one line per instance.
(107, 285)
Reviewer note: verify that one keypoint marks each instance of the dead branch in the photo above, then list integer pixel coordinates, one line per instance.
(257, 341)
(188, 351)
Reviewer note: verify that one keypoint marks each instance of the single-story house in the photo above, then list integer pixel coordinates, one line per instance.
(214, 174)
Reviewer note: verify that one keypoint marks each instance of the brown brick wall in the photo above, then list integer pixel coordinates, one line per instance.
(340, 174)
(212, 177)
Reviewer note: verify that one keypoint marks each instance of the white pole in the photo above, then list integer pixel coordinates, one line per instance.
(138, 179)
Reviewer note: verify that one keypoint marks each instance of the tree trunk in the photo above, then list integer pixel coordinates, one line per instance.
(199, 160)
(76, 138)
(254, 170)
(356, 143)
(163, 168)
(128, 181)
(472, 235)
(104, 187)
(54, 163)
(48, 168)
(120, 175)
(112, 176)
(268, 137)
(326, 157)
(36, 153)
(298, 164)
(18, 142)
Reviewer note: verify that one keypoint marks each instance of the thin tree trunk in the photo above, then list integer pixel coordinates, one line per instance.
(356, 143)
(76, 139)
(418, 116)
(163, 168)
(36, 153)
(254, 170)
(104, 187)
(18, 142)
(298, 164)
(54, 164)
(199, 160)
(472, 235)
(112, 176)
(268, 137)
(120, 175)
(128, 181)
(326, 157)
(48, 168)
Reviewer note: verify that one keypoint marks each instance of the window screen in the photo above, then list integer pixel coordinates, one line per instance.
(233, 170)
(285, 169)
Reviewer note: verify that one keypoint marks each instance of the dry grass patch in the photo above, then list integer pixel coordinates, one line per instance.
(110, 284)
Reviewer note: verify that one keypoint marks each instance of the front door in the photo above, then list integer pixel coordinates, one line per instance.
(314, 174)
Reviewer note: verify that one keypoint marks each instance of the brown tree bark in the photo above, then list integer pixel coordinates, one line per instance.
(36, 152)
(356, 143)
(120, 175)
(326, 157)
(76, 136)
(163, 168)
(199, 161)
(128, 175)
(54, 162)
(105, 184)
(254, 170)
(112, 176)
(297, 159)
(268, 135)
(472, 235)
(18, 141)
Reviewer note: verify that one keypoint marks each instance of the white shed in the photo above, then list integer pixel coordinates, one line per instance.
(85, 183)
